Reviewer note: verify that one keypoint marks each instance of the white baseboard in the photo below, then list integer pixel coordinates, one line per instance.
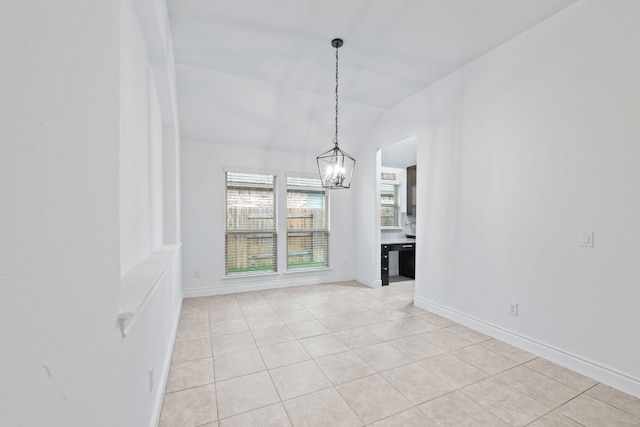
(157, 407)
(372, 283)
(606, 375)
(254, 285)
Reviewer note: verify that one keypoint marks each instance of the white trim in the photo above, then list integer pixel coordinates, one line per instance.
(234, 169)
(307, 270)
(276, 216)
(372, 283)
(250, 275)
(159, 398)
(327, 229)
(138, 284)
(253, 286)
(303, 175)
(604, 374)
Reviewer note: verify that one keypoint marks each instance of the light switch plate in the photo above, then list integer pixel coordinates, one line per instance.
(586, 239)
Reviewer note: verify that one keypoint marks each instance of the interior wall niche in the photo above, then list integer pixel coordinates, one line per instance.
(141, 186)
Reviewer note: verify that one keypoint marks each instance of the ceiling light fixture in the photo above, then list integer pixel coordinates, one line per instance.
(336, 166)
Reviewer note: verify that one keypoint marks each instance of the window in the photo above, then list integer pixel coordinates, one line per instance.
(389, 205)
(251, 229)
(307, 224)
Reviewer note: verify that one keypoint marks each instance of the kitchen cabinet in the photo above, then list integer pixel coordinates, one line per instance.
(411, 190)
(406, 260)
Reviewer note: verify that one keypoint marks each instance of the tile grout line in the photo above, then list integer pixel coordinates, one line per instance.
(349, 298)
(580, 393)
(602, 401)
(215, 391)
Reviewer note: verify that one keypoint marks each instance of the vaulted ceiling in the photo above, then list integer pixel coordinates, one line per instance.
(262, 72)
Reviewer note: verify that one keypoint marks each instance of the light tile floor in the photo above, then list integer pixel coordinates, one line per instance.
(342, 354)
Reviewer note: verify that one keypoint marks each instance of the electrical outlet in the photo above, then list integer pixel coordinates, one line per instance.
(513, 308)
(151, 379)
(196, 274)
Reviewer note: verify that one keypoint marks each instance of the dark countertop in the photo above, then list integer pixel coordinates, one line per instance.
(396, 240)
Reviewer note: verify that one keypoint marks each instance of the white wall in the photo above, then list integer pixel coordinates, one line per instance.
(221, 104)
(64, 360)
(203, 215)
(140, 148)
(148, 172)
(519, 152)
(59, 250)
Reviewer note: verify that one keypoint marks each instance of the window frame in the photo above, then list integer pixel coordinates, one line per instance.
(396, 190)
(274, 231)
(325, 228)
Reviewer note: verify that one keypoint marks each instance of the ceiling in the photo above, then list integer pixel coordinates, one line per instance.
(262, 72)
(401, 154)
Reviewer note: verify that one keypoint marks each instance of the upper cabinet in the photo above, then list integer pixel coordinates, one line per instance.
(411, 191)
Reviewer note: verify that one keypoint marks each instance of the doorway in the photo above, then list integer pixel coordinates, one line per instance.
(396, 195)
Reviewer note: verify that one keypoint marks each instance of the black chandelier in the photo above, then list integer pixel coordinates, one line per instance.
(336, 166)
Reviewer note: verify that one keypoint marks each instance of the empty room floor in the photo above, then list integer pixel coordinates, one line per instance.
(343, 354)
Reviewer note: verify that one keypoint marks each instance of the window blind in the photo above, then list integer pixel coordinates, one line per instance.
(251, 228)
(307, 224)
(389, 205)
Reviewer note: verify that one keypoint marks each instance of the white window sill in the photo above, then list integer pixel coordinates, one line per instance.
(308, 270)
(240, 277)
(250, 275)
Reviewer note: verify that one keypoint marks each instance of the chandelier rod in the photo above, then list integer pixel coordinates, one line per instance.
(335, 139)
